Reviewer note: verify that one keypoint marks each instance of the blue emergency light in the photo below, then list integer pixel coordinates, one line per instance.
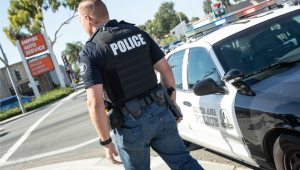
(213, 25)
(220, 22)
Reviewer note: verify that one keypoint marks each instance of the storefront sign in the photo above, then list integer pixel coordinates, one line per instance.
(33, 45)
(218, 9)
(40, 65)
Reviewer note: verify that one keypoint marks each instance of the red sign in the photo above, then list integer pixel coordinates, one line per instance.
(33, 45)
(40, 65)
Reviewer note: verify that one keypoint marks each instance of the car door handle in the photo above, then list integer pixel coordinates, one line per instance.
(189, 104)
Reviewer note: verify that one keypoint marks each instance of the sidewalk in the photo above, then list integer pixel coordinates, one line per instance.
(104, 164)
(80, 90)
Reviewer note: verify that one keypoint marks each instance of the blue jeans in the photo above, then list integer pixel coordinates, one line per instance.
(156, 128)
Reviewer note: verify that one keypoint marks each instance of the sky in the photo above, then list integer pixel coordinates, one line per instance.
(132, 11)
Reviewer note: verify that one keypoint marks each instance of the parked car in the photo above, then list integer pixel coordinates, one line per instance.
(175, 44)
(11, 102)
(165, 49)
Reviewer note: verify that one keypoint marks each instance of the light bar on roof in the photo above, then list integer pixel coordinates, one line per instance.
(220, 22)
(249, 11)
(200, 30)
(253, 9)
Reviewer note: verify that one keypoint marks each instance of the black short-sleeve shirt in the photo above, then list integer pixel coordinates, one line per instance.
(92, 59)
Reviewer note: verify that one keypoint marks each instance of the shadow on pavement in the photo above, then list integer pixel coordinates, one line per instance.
(194, 147)
(3, 134)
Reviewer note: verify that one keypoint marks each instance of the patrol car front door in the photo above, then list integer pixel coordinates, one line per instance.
(176, 62)
(212, 117)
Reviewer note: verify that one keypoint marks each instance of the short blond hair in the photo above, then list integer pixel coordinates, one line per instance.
(95, 9)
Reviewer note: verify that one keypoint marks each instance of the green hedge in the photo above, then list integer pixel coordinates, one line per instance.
(45, 99)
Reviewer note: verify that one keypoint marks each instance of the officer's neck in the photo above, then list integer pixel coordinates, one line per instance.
(94, 28)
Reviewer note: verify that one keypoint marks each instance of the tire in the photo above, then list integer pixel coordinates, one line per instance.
(186, 143)
(286, 152)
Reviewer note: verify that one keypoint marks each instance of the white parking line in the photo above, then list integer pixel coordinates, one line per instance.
(51, 153)
(24, 137)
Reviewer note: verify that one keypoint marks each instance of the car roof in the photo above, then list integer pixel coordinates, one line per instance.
(7, 98)
(235, 28)
(232, 29)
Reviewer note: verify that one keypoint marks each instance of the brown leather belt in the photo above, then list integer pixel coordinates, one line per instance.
(144, 102)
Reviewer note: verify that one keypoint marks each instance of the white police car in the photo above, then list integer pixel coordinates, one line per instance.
(239, 89)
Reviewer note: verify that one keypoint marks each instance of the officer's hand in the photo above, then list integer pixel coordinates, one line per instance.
(110, 149)
(181, 118)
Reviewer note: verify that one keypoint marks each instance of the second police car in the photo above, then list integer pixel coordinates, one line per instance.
(239, 89)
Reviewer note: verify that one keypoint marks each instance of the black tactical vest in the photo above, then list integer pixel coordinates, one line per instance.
(129, 69)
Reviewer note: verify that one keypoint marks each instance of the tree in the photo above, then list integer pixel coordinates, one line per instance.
(26, 17)
(77, 71)
(207, 6)
(225, 2)
(167, 18)
(152, 28)
(72, 51)
(142, 27)
(194, 19)
(183, 17)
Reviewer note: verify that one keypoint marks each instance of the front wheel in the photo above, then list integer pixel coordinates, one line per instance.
(286, 152)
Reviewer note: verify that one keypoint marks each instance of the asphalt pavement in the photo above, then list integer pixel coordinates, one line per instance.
(63, 132)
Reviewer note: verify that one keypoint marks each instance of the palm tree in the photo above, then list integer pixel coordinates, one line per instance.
(72, 51)
(153, 30)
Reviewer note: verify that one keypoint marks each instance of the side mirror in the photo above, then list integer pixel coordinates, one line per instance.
(233, 76)
(206, 87)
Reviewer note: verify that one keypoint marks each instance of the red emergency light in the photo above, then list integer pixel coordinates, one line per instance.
(249, 11)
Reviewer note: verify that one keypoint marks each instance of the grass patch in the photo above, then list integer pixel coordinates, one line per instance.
(45, 99)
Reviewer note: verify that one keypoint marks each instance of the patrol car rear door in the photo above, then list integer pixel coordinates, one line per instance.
(211, 117)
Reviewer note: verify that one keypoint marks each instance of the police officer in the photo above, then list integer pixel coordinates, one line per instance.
(119, 59)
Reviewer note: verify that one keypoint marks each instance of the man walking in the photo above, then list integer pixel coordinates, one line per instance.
(119, 59)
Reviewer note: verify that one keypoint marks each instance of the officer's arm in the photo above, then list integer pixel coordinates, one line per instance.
(167, 77)
(97, 110)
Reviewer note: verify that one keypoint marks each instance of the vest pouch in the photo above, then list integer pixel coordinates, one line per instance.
(158, 96)
(134, 107)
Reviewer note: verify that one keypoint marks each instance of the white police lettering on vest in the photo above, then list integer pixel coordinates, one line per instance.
(127, 44)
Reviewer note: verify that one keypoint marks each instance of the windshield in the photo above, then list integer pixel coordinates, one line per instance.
(273, 41)
(176, 42)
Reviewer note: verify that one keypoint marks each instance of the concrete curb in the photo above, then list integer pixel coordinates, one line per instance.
(43, 107)
(103, 163)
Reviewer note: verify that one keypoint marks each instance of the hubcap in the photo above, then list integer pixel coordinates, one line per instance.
(295, 160)
(292, 159)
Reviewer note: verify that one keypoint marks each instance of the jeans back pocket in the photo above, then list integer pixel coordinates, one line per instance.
(130, 139)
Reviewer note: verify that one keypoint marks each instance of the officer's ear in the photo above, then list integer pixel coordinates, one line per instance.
(88, 19)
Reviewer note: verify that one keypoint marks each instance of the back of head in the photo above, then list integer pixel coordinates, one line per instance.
(95, 9)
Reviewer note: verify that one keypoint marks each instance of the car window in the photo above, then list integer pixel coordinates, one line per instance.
(273, 41)
(176, 61)
(200, 67)
(6, 102)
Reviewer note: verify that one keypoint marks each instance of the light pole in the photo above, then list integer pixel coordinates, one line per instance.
(227, 6)
(182, 26)
(12, 81)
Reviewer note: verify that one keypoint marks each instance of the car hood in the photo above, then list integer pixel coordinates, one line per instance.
(286, 83)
